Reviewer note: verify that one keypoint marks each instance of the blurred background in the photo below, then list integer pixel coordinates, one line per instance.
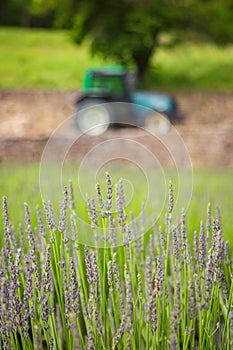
(182, 48)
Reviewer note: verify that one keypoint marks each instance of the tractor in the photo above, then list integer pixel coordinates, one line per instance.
(108, 99)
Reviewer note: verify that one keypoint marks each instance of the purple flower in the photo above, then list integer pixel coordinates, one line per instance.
(197, 283)
(119, 333)
(63, 211)
(183, 235)
(92, 213)
(74, 289)
(148, 277)
(175, 318)
(41, 227)
(110, 276)
(28, 291)
(139, 291)
(74, 231)
(128, 343)
(176, 242)
(47, 288)
(10, 305)
(159, 277)
(71, 195)
(217, 247)
(99, 196)
(32, 248)
(170, 198)
(7, 245)
(92, 272)
(112, 232)
(24, 322)
(113, 275)
(68, 307)
(5, 212)
(202, 248)
(209, 218)
(47, 282)
(108, 202)
(90, 344)
(49, 214)
(192, 306)
(51, 343)
(209, 277)
(120, 204)
(153, 310)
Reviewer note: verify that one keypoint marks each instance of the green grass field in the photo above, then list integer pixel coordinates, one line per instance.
(20, 183)
(42, 59)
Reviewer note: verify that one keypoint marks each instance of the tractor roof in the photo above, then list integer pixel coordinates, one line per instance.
(117, 71)
(108, 70)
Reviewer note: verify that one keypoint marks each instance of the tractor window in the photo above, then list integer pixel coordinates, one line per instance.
(110, 83)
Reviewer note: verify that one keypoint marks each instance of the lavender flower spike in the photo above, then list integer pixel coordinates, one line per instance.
(108, 203)
(170, 198)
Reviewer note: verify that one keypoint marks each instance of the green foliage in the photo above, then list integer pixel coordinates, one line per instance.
(215, 20)
(129, 31)
(42, 13)
(37, 13)
(49, 59)
(186, 67)
(14, 12)
(128, 34)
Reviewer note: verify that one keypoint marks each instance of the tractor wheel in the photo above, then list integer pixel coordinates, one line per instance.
(92, 117)
(157, 123)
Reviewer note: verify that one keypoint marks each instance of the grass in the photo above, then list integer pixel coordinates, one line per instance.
(42, 59)
(20, 183)
(190, 66)
(163, 289)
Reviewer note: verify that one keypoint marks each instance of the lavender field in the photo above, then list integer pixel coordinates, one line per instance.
(166, 287)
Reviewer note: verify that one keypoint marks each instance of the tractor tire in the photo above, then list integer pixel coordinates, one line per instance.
(92, 117)
(157, 123)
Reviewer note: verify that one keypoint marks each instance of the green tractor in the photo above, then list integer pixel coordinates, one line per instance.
(108, 99)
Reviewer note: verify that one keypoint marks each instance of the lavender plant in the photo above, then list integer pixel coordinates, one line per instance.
(156, 290)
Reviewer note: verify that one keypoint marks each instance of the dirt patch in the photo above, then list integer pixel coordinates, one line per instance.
(28, 118)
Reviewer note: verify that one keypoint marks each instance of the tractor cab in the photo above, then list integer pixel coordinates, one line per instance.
(109, 83)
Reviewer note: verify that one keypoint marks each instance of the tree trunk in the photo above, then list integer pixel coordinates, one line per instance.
(141, 72)
(142, 60)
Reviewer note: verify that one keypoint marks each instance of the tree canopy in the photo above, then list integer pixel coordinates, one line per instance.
(129, 31)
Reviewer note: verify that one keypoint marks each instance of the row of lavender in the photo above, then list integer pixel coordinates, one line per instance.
(156, 292)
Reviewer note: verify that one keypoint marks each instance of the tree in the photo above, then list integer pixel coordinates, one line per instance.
(14, 12)
(37, 13)
(129, 30)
